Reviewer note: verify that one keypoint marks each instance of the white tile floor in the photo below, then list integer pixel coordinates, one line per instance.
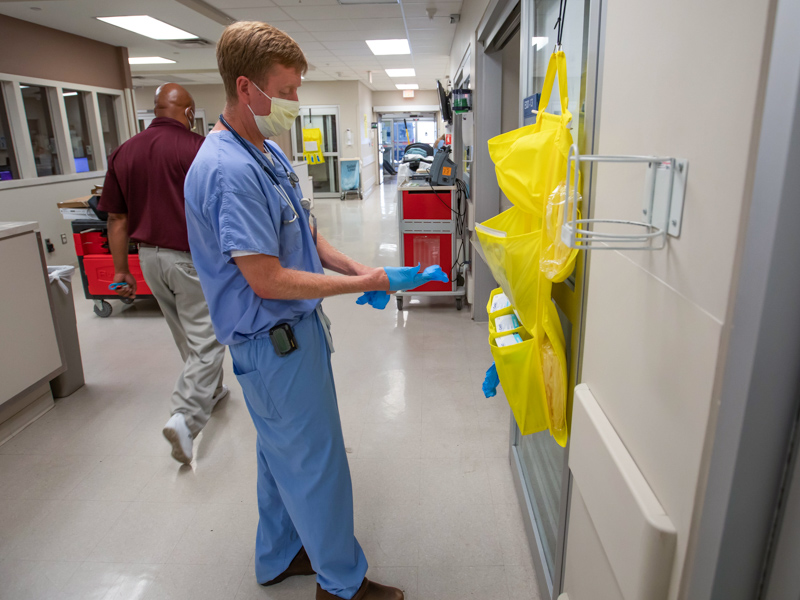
(93, 507)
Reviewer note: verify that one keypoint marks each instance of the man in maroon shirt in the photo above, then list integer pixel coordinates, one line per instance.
(143, 194)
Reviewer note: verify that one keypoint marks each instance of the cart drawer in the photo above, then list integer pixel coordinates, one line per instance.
(99, 271)
(427, 205)
(429, 249)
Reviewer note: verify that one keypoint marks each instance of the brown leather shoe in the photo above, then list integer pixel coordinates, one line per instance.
(300, 565)
(369, 590)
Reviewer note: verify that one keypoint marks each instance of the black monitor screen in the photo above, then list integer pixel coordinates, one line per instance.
(444, 104)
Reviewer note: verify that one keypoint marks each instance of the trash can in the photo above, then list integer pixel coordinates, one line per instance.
(64, 312)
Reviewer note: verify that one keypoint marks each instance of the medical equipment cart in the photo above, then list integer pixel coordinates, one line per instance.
(432, 232)
(97, 265)
(351, 177)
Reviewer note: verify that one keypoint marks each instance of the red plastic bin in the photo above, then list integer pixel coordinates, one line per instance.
(427, 205)
(99, 270)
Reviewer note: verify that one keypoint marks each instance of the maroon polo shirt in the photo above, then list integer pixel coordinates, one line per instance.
(145, 180)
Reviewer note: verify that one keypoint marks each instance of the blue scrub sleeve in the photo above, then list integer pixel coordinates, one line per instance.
(245, 223)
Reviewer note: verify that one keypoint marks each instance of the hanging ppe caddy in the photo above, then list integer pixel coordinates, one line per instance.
(524, 251)
(351, 178)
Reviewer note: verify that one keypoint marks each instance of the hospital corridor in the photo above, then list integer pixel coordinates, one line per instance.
(399, 300)
(93, 508)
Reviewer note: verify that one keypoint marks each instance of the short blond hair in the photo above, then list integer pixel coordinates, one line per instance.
(250, 49)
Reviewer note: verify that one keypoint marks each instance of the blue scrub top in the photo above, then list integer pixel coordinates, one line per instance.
(231, 204)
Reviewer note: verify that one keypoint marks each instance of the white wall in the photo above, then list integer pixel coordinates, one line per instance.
(211, 98)
(38, 203)
(395, 98)
(367, 137)
(656, 322)
(464, 38)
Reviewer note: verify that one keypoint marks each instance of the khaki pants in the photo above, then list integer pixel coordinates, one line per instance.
(171, 276)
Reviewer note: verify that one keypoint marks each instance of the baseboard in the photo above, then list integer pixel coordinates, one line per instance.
(41, 402)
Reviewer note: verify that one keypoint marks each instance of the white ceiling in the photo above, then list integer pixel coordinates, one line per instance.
(332, 36)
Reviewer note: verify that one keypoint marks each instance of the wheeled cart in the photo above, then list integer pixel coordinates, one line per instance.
(97, 265)
(430, 234)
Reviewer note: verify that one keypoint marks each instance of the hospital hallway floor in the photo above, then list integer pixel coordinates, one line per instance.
(92, 506)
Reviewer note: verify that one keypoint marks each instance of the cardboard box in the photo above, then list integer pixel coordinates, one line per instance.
(76, 203)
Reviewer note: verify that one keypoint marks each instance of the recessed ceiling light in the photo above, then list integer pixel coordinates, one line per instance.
(346, 2)
(401, 72)
(150, 27)
(148, 60)
(407, 86)
(384, 47)
(65, 94)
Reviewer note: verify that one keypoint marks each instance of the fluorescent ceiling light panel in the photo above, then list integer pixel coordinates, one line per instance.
(346, 2)
(387, 47)
(539, 42)
(407, 86)
(401, 72)
(65, 94)
(149, 27)
(148, 60)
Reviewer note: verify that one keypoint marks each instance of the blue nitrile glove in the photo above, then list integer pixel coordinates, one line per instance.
(408, 278)
(491, 382)
(377, 299)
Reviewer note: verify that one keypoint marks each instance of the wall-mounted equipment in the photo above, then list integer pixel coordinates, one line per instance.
(444, 104)
(662, 206)
(462, 101)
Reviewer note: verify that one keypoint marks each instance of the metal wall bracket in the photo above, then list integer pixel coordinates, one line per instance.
(662, 206)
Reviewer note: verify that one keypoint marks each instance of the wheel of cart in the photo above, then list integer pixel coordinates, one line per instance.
(102, 309)
(351, 178)
(399, 303)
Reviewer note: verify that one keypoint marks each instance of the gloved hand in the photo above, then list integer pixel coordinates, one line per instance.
(408, 278)
(377, 299)
(491, 382)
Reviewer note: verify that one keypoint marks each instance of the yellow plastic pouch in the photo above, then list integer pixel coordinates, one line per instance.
(531, 161)
(520, 374)
(312, 146)
(512, 251)
(557, 260)
(554, 373)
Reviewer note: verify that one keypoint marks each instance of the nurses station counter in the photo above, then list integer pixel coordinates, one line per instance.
(30, 353)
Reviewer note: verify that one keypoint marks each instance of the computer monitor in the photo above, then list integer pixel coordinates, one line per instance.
(444, 104)
(81, 165)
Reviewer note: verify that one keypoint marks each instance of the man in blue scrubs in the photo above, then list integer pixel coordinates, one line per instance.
(261, 268)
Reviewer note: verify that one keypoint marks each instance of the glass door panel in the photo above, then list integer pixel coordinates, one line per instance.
(543, 461)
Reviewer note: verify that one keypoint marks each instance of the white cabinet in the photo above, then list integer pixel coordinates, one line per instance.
(30, 355)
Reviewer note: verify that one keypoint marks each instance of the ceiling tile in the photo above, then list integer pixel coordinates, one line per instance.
(304, 3)
(443, 9)
(266, 14)
(368, 11)
(440, 24)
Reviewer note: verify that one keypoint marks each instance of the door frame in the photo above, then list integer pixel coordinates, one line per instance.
(297, 153)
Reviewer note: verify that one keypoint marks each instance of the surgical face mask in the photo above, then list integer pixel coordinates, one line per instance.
(280, 118)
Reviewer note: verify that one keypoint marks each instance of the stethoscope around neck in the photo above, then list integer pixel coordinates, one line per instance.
(292, 176)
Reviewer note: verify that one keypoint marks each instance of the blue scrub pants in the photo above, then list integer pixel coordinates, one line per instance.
(305, 496)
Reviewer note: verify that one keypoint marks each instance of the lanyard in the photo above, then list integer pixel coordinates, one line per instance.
(261, 162)
(293, 178)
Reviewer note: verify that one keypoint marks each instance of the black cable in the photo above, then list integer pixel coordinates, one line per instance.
(562, 14)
